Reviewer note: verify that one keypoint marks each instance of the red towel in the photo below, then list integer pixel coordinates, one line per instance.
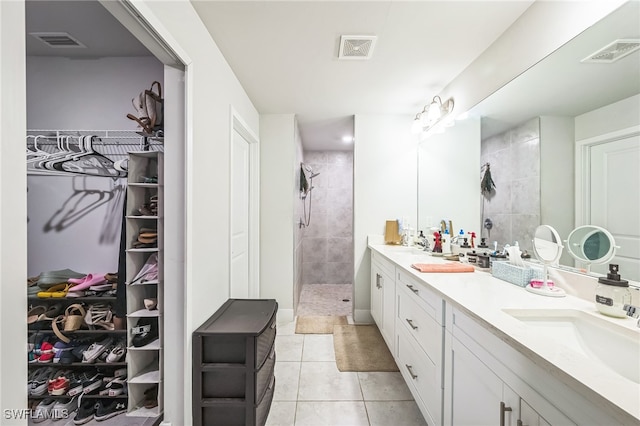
(443, 267)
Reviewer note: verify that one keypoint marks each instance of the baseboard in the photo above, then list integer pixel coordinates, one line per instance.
(362, 316)
(284, 315)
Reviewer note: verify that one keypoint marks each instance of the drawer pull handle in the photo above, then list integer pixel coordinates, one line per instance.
(379, 280)
(503, 410)
(412, 288)
(410, 369)
(273, 325)
(273, 381)
(415, 327)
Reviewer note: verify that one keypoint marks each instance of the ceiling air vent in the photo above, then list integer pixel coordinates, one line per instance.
(613, 51)
(356, 47)
(57, 40)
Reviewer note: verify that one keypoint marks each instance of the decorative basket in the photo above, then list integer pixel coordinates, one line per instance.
(517, 275)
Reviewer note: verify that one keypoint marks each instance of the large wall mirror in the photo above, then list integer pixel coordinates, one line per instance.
(563, 144)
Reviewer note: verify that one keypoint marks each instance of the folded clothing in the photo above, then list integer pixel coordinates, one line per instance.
(442, 267)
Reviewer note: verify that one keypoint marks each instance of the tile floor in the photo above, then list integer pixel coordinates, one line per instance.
(311, 391)
(325, 299)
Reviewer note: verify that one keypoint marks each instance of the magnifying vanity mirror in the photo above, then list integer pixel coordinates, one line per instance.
(591, 244)
(547, 247)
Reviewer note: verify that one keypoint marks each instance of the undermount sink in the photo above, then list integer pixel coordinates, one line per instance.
(611, 344)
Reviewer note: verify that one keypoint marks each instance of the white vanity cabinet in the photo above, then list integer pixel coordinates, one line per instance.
(419, 343)
(488, 383)
(383, 294)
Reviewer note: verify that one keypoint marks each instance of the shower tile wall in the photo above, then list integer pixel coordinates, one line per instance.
(514, 208)
(327, 245)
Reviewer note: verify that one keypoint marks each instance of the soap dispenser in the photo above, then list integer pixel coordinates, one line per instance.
(612, 293)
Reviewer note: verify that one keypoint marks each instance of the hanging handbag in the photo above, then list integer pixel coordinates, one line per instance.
(149, 109)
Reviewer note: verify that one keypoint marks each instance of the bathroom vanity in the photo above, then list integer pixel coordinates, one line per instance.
(476, 350)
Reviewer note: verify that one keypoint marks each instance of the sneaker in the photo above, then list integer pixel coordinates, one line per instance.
(64, 407)
(40, 383)
(43, 410)
(96, 348)
(93, 384)
(106, 410)
(118, 352)
(86, 412)
(145, 332)
(76, 382)
(58, 383)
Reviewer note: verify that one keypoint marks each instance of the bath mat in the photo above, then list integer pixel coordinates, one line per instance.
(318, 324)
(361, 348)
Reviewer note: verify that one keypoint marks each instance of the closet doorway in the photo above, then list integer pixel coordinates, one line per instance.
(74, 220)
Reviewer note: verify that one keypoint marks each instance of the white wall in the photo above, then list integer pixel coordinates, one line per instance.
(384, 188)
(278, 186)
(13, 212)
(617, 116)
(298, 232)
(449, 178)
(88, 94)
(74, 222)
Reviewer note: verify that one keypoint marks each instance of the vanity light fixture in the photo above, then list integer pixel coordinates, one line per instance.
(432, 114)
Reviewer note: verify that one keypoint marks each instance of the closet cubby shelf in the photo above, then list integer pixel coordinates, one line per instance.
(144, 364)
(145, 313)
(153, 346)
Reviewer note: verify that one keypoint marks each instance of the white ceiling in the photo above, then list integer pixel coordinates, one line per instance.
(285, 54)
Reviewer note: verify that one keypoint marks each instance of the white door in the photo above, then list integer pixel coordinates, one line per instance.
(239, 287)
(615, 200)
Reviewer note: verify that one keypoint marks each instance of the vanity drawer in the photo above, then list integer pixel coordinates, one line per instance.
(419, 293)
(423, 376)
(420, 325)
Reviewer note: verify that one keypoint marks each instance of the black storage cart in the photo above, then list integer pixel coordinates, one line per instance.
(233, 364)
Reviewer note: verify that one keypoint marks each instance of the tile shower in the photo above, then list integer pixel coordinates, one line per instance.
(327, 243)
(514, 208)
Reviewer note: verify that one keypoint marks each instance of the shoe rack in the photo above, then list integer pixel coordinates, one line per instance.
(145, 195)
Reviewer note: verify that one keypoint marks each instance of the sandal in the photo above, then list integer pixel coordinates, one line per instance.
(34, 313)
(74, 317)
(57, 291)
(99, 315)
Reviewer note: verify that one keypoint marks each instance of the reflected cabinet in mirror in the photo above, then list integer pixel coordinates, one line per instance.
(563, 144)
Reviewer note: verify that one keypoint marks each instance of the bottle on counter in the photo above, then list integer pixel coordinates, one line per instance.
(612, 294)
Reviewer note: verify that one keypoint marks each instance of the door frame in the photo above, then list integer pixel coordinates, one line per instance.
(237, 123)
(583, 171)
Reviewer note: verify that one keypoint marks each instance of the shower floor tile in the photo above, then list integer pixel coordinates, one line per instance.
(325, 299)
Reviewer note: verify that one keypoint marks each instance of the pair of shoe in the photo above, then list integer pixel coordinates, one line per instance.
(38, 383)
(87, 281)
(148, 272)
(100, 410)
(145, 332)
(56, 409)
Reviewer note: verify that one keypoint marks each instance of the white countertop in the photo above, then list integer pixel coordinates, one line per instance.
(484, 297)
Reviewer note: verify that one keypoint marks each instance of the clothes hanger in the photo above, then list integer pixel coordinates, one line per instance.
(89, 162)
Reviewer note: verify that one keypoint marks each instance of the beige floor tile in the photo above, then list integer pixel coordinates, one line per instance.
(396, 413)
(286, 328)
(287, 381)
(318, 347)
(321, 381)
(282, 413)
(344, 413)
(384, 386)
(289, 348)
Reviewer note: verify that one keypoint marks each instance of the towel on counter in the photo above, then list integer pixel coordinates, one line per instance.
(443, 267)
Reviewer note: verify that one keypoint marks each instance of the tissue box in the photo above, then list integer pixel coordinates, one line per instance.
(515, 274)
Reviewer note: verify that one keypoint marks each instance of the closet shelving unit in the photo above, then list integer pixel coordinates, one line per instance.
(145, 364)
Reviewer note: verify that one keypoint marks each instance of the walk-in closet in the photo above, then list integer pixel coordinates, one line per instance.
(95, 201)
